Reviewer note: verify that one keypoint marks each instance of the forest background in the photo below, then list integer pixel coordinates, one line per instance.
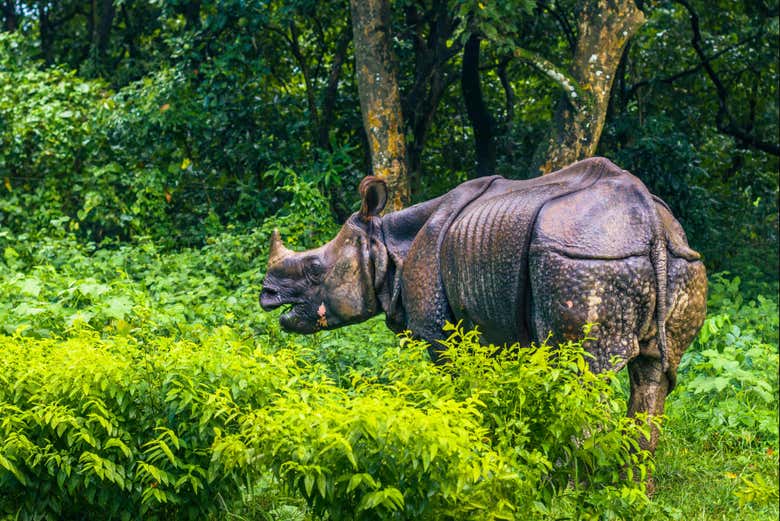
(147, 148)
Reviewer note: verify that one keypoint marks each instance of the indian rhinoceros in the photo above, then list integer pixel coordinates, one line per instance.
(520, 260)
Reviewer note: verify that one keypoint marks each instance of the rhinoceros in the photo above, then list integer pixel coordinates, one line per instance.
(519, 259)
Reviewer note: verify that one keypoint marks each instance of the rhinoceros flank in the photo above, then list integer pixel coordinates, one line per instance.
(520, 260)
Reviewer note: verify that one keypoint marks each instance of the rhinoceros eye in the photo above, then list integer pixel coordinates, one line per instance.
(314, 270)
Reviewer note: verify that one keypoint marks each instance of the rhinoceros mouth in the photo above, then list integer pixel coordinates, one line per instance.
(288, 312)
(294, 319)
(270, 299)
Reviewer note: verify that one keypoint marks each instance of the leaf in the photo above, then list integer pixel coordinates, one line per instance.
(117, 307)
(93, 289)
(370, 501)
(393, 499)
(116, 442)
(354, 482)
(4, 462)
(167, 450)
(30, 286)
(308, 483)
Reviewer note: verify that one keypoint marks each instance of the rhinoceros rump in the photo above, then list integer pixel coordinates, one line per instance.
(519, 259)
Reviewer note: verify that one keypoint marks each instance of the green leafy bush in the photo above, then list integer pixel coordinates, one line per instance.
(124, 393)
(148, 160)
(157, 428)
(729, 390)
(167, 353)
(728, 393)
(124, 429)
(52, 283)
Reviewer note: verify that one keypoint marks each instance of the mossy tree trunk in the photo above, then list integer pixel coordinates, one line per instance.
(380, 101)
(605, 26)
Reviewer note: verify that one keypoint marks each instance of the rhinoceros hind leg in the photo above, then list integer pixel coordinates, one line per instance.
(615, 296)
(649, 387)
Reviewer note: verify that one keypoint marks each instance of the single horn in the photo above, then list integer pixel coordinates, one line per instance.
(277, 251)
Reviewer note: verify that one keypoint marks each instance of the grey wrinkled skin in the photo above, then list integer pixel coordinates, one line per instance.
(520, 260)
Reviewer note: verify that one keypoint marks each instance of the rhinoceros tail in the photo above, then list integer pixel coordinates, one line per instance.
(659, 259)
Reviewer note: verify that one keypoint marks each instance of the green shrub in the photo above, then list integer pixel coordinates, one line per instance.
(130, 426)
(729, 378)
(148, 160)
(166, 352)
(727, 398)
(122, 429)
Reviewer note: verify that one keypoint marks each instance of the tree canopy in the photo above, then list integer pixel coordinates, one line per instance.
(169, 119)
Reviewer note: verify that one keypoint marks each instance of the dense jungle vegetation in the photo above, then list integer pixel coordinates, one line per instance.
(147, 150)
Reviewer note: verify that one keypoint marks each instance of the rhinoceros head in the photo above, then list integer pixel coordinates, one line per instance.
(335, 284)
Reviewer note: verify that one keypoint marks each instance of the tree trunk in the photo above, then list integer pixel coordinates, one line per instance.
(481, 121)
(191, 11)
(604, 29)
(46, 34)
(10, 22)
(433, 51)
(103, 18)
(380, 102)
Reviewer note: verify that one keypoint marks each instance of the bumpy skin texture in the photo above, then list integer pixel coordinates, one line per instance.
(521, 260)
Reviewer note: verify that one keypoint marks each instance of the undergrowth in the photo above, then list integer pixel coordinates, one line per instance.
(136, 383)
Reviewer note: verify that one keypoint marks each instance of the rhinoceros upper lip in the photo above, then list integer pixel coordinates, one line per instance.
(270, 300)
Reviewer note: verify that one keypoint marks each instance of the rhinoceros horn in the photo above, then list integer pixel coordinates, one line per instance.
(277, 251)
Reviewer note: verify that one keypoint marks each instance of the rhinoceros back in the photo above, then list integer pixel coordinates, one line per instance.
(485, 255)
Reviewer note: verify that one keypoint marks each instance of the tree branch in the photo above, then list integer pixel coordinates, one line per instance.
(724, 120)
(687, 72)
(569, 85)
(479, 115)
(568, 31)
(329, 95)
(296, 50)
(510, 93)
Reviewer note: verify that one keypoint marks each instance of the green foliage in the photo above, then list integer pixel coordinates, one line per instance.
(157, 427)
(728, 394)
(305, 220)
(148, 382)
(733, 364)
(174, 156)
(138, 187)
(170, 130)
(125, 392)
(124, 428)
(48, 143)
(668, 127)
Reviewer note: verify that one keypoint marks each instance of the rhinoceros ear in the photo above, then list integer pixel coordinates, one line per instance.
(373, 192)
